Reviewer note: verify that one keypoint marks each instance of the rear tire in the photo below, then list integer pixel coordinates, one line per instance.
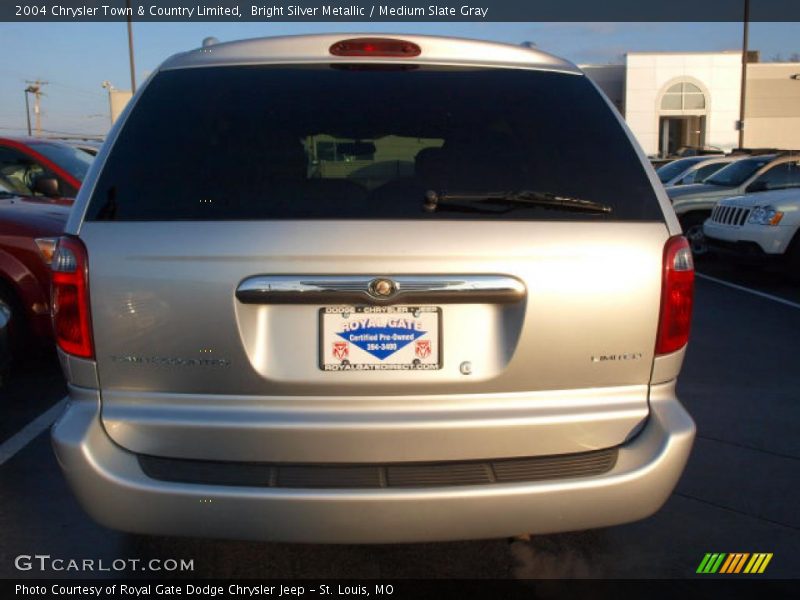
(692, 225)
(5, 350)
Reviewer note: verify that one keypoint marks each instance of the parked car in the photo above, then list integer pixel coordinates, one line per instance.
(761, 227)
(693, 203)
(42, 167)
(692, 169)
(38, 180)
(29, 228)
(657, 161)
(684, 152)
(263, 342)
(91, 147)
(698, 151)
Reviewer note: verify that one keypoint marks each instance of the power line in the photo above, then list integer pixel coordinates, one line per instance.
(70, 115)
(99, 96)
(70, 87)
(77, 90)
(56, 132)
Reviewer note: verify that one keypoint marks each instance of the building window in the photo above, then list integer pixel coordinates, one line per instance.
(683, 96)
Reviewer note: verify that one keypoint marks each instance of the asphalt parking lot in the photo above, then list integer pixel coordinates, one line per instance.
(741, 382)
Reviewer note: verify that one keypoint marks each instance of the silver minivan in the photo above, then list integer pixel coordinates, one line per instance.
(371, 289)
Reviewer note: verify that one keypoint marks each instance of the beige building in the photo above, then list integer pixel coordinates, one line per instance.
(117, 101)
(674, 99)
(772, 106)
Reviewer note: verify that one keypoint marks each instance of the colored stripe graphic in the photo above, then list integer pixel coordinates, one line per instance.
(703, 563)
(765, 563)
(711, 563)
(716, 565)
(722, 563)
(729, 562)
(758, 563)
(734, 563)
(741, 562)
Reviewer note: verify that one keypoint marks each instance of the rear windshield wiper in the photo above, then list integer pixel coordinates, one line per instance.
(510, 199)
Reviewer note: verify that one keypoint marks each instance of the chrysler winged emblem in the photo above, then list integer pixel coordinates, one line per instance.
(382, 288)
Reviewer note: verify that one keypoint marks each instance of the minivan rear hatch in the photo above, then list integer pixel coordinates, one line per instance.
(249, 218)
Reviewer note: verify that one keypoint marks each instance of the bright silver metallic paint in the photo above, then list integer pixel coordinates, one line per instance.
(159, 306)
(165, 293)
(111, 487)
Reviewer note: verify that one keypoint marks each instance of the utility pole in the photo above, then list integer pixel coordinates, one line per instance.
(28, 112)
(130, 46)
(744, 72)
(35, 88)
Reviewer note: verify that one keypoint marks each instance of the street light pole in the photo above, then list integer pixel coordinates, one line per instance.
(130, 46)
(744, 72)
(28, 112)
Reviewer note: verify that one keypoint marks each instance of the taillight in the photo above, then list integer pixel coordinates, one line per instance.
(71, 317)
(677, 296)
(375, 47)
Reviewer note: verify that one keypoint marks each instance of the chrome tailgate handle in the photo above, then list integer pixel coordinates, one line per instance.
(395, 289)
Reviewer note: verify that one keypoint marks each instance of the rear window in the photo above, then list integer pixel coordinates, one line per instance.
(366, 142)
(738, 172)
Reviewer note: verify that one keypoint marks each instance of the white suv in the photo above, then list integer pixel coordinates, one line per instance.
(762, 226)
(754, 174)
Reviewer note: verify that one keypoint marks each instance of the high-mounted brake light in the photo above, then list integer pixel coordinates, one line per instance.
(375, 47)
(677, 296)
(71, 316)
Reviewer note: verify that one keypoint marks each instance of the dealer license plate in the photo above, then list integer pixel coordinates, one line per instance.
(380, 338)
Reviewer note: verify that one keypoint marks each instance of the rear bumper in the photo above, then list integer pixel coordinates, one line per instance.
(748, 252)
(113, 489)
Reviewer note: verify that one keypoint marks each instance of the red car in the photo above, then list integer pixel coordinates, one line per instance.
(41, 167)
(38, 182)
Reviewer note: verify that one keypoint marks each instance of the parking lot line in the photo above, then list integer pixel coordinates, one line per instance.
(28, 433)
(749, 290)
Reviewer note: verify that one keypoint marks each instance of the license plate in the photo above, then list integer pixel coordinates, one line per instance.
(380, 338)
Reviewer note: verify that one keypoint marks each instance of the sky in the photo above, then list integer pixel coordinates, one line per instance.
(76, 58)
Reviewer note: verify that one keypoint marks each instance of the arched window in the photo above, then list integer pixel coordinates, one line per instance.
(683, 96)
